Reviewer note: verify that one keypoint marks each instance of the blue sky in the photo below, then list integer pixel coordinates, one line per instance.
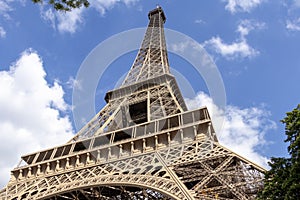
(254, 44)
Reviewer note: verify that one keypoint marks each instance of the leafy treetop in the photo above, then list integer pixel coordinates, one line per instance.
(65, 5)
(282, 181)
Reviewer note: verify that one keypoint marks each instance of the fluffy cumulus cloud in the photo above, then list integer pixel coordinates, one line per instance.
(235, 6)
(243, 129)
(69, 22)
(32, 112)
(236, 49)
(240, 48)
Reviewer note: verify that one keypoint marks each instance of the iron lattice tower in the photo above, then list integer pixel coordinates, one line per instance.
(143, 144)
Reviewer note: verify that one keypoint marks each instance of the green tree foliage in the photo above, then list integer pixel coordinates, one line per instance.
(65, 5)
(282, 181)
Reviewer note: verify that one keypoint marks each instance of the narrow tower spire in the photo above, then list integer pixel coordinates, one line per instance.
(152, 58)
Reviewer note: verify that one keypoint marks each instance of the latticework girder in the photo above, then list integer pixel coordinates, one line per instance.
(146, 101)
(198, 168)
(152, 58)
(143, 144)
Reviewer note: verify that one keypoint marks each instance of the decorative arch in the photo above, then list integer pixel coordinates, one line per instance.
(160, 186)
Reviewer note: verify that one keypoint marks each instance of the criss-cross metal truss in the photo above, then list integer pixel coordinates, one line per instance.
(143, 144)
(152, 58)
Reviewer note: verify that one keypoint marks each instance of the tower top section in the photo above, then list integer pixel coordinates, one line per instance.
(152, 58)
(157, 10)
(149, 91)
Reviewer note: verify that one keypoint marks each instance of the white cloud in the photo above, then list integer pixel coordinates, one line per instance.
(181, 47)
(49, 16)
(293, 25)
(5, 8)
(199, 21)
(32, 113)
(2, 32)
(293, 17)
(235, 6)
(65, 22)
(240, 48)
(245, 26)
(236, 49)
(74, 83)
(103, 5)
(69, 22)
(243, 128)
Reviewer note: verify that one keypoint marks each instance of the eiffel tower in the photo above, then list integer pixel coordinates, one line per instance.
(144, 144)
